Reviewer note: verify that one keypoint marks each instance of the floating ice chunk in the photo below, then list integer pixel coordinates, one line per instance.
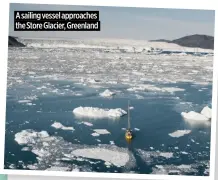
(58, 125)
(107, 163)
(151, 156)
(166, 154)
(12, 166)
(98, 112)
(179, 133)
(139, 97)
(93, 81)
(206, 111)
(25, 149)
(136, 129)
(112, 142)
(95, 134)
(55, 168)
(131, 107)
(172, 169)
(87, 123)
(102, 131)
(194, 116)
(33, 167)
(107, 93)
(114, 157)
(148, 87)
(30, 104)
(183, 152)
(29, 136)
(24, 101)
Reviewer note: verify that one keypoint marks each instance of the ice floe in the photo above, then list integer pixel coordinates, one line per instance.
(58, 125)
(101, 131)
(50, 155)
(150, 157)
(206, 111)
(136, 129)
(149, 87)
(179, 133)
(95, 134)
(107, 93)
(194, 116)
(116, 158)
(94, 112)
(87, 123)
(205, 115)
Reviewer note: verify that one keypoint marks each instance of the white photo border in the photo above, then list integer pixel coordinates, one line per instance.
(182, 4)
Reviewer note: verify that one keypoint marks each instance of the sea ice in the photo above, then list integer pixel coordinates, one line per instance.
(112, 142)
(56, 168)
(206, 111)
(94, 112)
(116, 158)
(173, 169)
(107, 93)
(194, 116)
(59, 148)
(95, 134)
(87, 123)
(151, 156)
(179, 133)
(102, 131)
(24, 101)
(205, 115)
(136, 129)
(29, 136)
(58, 125)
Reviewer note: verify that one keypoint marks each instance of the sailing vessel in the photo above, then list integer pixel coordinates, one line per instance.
(128, 133)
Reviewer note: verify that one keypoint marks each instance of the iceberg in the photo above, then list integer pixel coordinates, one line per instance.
(94, 112)
(205, 115)
(206, 111)
(194, 116)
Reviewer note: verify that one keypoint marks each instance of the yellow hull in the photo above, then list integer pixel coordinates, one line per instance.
(128, 137)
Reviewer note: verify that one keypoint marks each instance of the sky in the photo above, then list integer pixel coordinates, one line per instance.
(127, 22)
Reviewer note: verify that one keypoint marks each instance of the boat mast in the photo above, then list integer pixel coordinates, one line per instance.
(128, 116)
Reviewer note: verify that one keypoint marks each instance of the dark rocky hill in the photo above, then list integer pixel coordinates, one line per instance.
(196, 40)
(12, 42)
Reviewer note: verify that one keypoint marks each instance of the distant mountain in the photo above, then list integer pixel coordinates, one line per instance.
(12, 42)
(196, 40)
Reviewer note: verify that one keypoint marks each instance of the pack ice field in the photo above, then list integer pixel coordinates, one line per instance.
(67, 107)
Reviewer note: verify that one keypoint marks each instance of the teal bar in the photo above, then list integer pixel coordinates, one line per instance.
(3, 177)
